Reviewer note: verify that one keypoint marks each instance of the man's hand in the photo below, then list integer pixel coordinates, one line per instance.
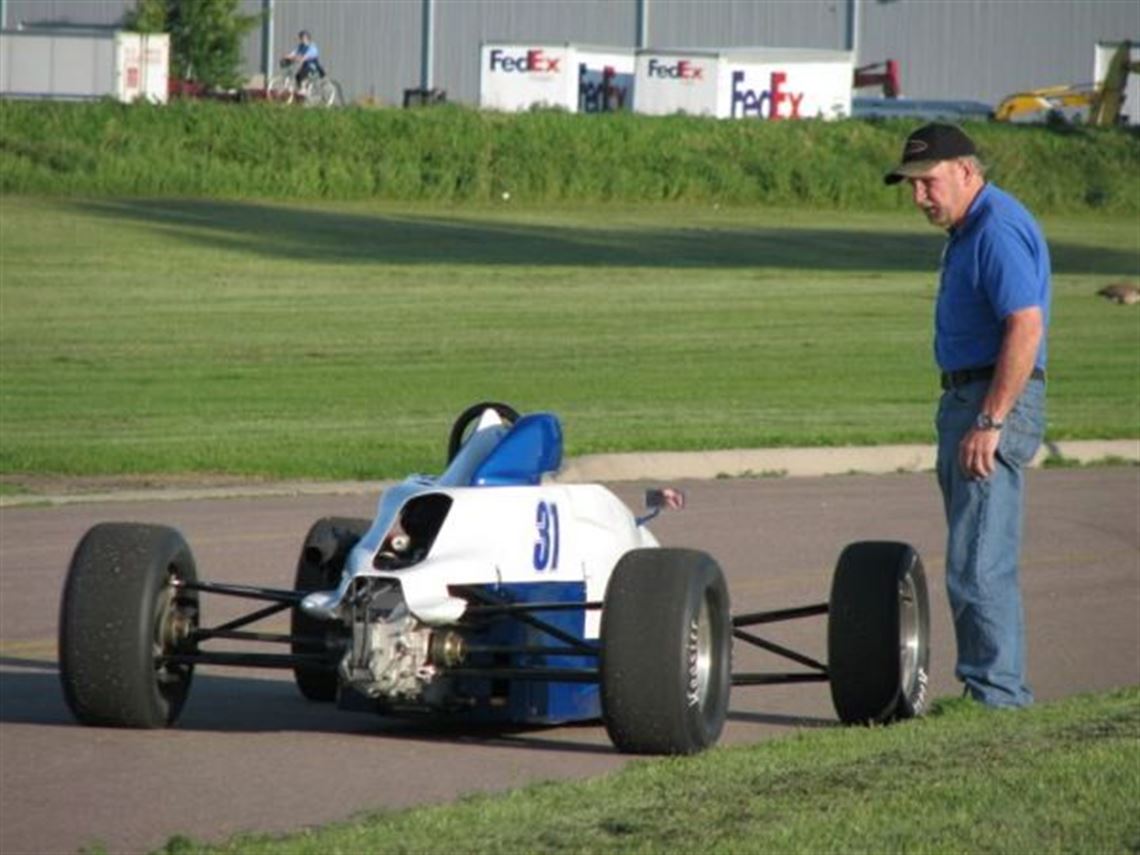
(977, 453)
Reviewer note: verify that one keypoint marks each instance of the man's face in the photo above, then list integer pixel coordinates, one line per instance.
(943, 192)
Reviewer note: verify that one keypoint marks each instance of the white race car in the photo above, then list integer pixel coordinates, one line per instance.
(489, 593)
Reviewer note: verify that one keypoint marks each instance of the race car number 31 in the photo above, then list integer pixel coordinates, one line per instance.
(546, 547)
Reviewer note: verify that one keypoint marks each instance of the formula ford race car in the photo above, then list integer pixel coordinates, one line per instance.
(492, 594)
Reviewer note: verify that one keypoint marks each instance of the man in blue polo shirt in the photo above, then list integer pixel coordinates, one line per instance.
(990, 328)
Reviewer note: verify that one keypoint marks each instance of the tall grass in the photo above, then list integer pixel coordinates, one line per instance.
(453, 154)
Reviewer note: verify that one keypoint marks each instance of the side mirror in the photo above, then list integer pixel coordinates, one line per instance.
(661, 499)
(664, 498)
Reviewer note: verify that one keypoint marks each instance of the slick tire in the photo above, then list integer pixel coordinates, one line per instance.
(878, 634)
(319, 568)
(123, 611)
(666, 652)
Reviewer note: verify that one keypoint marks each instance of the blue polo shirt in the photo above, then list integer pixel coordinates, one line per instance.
(994, 264)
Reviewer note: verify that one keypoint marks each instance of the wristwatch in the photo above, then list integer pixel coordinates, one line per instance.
(985, 421)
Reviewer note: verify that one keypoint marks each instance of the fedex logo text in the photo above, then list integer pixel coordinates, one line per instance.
(684, 70)
(767, 104)
(532, 61)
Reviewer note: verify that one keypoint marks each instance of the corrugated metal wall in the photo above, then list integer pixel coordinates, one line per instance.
(106, 13)
(986, 49)
(372, 48)
(736, 23)
(961, 49)
(66, 12)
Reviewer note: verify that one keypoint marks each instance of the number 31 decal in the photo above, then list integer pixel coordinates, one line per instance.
(546, 547)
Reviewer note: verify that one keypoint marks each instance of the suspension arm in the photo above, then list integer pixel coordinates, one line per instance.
(778, 615)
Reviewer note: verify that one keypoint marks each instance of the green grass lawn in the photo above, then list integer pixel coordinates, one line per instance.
(340, 340)
(1061, 777)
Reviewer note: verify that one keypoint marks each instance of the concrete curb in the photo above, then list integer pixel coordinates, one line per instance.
(807, 462)
(659, 466)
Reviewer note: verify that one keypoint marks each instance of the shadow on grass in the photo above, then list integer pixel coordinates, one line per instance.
(351, 238)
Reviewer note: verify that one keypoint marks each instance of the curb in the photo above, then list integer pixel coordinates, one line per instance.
(663, 465)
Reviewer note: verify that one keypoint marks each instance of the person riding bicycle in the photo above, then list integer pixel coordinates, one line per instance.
(309, 57)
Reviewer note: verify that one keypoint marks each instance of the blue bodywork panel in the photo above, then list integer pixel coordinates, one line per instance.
(532, 448)
(526, 701)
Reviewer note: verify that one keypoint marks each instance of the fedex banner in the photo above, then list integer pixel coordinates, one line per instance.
(737, 84)
(516, 77)
(684, 83)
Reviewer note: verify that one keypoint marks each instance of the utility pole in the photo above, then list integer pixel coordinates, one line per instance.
(268, 63)
(853, 28)
(427, 54)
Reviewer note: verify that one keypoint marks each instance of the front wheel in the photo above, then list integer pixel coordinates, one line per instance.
(319, 568)
(666, 652)
(878, 634)
(281, 88)
(124, 610)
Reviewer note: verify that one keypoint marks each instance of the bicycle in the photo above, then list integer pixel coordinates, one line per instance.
(313, 91)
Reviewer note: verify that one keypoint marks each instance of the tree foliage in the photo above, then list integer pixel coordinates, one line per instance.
(205, 37)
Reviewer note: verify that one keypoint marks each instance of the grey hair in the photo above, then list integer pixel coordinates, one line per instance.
(975, 163)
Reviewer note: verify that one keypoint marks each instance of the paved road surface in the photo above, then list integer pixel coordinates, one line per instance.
(250, 754)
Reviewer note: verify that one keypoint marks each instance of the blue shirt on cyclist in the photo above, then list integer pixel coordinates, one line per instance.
(308, 55)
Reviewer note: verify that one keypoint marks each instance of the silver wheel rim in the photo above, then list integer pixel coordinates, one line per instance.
(701, 669)
(910, 641)
(171, 624)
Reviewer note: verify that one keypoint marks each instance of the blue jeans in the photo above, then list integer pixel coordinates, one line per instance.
(984, 543)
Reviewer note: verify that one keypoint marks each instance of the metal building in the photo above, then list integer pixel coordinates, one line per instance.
(947, 49)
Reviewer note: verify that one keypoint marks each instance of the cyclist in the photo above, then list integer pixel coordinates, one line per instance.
(309, 57)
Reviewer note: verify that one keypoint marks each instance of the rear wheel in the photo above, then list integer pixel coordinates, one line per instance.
(878, 634)
(666, 651)
(123, 611)
(319, 568)
(322, 92)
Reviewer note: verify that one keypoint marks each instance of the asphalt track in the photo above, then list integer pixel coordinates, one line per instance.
(251, 754)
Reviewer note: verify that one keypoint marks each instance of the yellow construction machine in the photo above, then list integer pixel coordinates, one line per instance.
(1103, 100)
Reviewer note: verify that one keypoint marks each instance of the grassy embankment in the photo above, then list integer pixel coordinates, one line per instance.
(1061, 777)
(334, 339)
(459, 155)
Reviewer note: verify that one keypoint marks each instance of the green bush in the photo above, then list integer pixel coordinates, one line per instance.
(453, 154)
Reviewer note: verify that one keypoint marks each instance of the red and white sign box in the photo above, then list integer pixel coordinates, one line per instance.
(745, 83)
(78, 65)
(577, 78)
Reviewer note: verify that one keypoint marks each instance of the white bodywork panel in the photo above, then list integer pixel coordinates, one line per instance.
(495, 535)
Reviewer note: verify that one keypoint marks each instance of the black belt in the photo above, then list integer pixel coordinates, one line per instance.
(954, 379)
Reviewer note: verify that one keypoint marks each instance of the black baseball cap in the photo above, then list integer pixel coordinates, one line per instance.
(929, 145)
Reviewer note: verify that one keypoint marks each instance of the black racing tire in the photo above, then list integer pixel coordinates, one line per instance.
(458, 430)
(319, 568)
(121, 610)
(666, 651)
(878, 634)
